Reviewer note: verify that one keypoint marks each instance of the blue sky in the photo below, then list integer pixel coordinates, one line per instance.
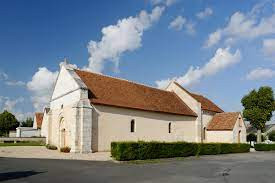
(221, 49)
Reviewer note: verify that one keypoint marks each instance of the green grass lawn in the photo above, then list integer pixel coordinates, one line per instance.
(22, 144)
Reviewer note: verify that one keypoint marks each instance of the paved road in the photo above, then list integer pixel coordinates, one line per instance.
(249, 167)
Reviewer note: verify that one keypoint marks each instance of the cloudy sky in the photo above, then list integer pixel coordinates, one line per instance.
(221, 49)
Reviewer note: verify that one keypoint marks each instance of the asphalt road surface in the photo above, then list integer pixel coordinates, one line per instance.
(249, 167)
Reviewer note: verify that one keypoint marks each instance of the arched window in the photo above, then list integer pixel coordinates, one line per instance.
(132, 125)
(169, 128)
(204, 133)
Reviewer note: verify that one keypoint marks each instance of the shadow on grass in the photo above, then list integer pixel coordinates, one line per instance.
(17, 175)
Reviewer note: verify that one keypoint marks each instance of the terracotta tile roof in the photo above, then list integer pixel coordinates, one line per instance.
(223, 121)
(206, 104)
(111, 91)
(39, 119)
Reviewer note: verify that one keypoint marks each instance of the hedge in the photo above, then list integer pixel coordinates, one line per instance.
(123, 151)
(264, 147)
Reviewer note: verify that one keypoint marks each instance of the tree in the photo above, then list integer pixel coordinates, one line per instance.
(271, 136)
(7, 122)
(251, 138)
(27, 123)
(258, 108)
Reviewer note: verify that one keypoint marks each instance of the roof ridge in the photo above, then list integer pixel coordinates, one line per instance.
(125, 80)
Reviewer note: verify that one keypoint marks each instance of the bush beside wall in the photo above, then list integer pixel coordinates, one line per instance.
(65, 149)
(264, 147)
(51, 147)
(124, 151)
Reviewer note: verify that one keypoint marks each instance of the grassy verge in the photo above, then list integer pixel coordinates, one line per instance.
(153, 161)
(27, 143)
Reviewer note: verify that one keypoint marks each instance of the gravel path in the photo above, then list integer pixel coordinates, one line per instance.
(40, 152)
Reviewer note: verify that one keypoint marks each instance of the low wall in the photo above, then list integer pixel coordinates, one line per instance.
(22, 139)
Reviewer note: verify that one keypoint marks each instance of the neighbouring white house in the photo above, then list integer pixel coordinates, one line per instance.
(88, 111)
(34, 131)
(27, 132)
(44, 125)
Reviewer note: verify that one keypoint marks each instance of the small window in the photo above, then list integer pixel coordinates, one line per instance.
(133, 126)
(169, 128)
(204, 133)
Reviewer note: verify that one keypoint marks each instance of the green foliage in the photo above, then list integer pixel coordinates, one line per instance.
(51, 147)
(209, 149)
(7, 122)
(258, 106)
(264, 147)
(151, 150)
(271, 136)
(25, 143)
(27, 123)
(123, 151)
(65, 149)
(234, 148)
(251, 137)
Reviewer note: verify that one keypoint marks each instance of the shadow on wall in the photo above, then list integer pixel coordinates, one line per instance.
(17, 175)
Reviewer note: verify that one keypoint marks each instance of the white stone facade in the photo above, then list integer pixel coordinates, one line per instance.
(74, 122)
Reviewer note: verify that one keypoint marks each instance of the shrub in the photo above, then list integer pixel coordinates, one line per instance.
(65, 149)
(51, 147)
(151, 150)
(271, 136)
(234, 148)
(264, 147)
(140, 150)
(209, 149)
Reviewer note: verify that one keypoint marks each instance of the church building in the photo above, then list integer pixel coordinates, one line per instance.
(88, 111)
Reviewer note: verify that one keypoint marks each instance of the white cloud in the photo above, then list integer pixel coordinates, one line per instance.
(222, 59)
(205, 13)
(245, 26)
(11, 105)
(260, 74)
(213, 39)
(165, 2)
(269, 48)
(181, 22)
(190, 27)
(3, 76)
(41, 87)
(177, 23)
(15, 83)
(125, 36)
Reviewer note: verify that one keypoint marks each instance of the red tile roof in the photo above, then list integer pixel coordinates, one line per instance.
(223, 121)
(206, 104)
(111, 91)
(39, 119)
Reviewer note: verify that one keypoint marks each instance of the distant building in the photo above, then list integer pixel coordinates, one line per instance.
(34, 131)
